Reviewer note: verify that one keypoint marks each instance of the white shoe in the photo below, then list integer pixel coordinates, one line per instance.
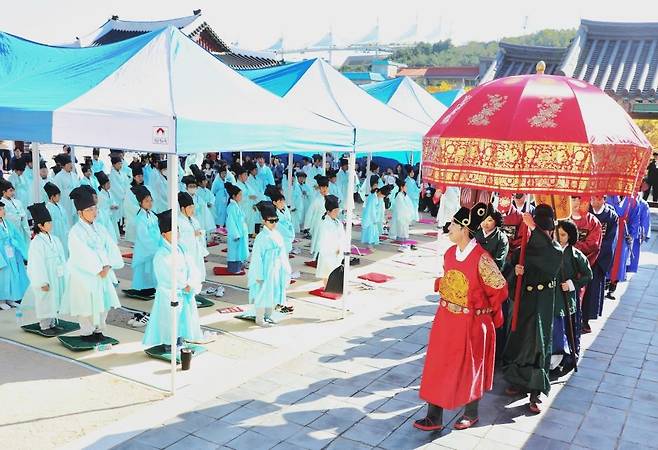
(211, 290)
(4, 306)
(141, 322)
(296, 251)
(263, 324)
(220, 292)
(295, 275)
(12, 304)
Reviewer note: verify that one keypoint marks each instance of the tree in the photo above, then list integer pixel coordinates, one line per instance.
(650, 129)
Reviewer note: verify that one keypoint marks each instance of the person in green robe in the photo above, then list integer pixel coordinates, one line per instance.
(575, 274)
(527, 354)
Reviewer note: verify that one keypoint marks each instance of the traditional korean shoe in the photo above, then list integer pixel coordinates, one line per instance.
(12, 304)
(4, 306)
(586, 329)
(534, 408)
(50, 332)
(465, 422)
(427, 424)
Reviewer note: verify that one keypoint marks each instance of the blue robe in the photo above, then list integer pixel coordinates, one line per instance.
(221, 201)
(93, 182)
(16, 213)
(87, 294)
(264, 177)
(253, 216)
(147, 242)
(46, 266)
(247, 206)
(312, 220)
(642, 233)
(285, 227)
(370, 220)
(192, 239)
(204, 204)
(299, 204)
(148, 174)
(269, 271)
(97, 166)
(595, 292)
(130, 209)
(403, 215)
(66, 182)
(61, 225)
(159, 191)
(627, 225)
(413, 192)
(158, 331)
(105, 214)
(13, 252)
(237, 234)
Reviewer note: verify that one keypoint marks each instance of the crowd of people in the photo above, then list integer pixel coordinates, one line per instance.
(59, 254)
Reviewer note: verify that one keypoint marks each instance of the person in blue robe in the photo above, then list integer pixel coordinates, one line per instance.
(300, 200)
(316, 211)
(264, 174)
(66, 180)
(21, 182)
(248, 198)
(256, 194)
(107, 206)
(595, 292)
(237, 233)
(642, 232)
(284, 227)
(627, 211)
(402, 212)
(147, 242)
(221, 196)
(88, 177)
(15, 211)
(90, 290)
(269, 271)
(46, 271)
(204, 201)
(13, 252)
(413, 190)
(59, 219)
(96, 164)
(159, 187)
(372, 215)
(158, 330)
(191, 236)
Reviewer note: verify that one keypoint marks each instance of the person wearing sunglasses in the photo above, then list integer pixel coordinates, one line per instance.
(269, 271)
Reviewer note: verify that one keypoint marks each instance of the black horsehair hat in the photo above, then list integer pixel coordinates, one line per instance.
(471, 218)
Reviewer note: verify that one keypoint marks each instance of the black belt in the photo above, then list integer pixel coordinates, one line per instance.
(540, 286)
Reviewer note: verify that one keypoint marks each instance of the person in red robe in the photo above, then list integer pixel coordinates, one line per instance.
(459, 365)
(590, 232)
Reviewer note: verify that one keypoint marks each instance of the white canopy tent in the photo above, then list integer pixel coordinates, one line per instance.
(159, 92)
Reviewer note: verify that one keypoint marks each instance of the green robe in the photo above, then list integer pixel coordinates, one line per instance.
(526, 358)
(575, 267)
(496, 244)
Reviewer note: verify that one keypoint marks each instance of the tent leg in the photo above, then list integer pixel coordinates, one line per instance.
(172, 177)
(36, 176)
(324, 163)
(241, 162)
(411, 158)
(290, 158)
(349, 207)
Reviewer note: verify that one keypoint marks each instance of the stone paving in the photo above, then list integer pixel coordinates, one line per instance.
(360, 391)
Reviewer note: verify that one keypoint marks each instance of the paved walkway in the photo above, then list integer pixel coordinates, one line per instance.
(360, 391)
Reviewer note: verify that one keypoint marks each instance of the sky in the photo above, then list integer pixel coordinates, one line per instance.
(258, 24)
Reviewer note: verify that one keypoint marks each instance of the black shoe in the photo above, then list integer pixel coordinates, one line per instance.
(50, 332)
(90, 338)
(99, 337)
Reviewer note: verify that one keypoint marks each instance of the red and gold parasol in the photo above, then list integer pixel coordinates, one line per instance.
(537, 134)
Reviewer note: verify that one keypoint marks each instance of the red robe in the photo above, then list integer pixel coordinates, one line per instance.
(459, 365)
(590, 234)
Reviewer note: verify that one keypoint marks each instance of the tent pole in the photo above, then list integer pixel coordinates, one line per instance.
(172, 180)
(36, 176)
(411, 158)
(290, 158)
(270, 163)
(241, 163)
(349, 206)
(324, 163)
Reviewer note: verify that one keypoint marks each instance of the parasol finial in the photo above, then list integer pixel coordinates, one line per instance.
(541, 67)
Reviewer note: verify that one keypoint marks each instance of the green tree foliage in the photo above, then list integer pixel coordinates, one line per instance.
(444, 53)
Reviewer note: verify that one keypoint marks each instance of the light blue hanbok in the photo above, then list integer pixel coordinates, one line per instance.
(97, 166)
(119, 186)
(148, 171)
(13, 251)
(194, 246)
(46, 266)
(299, 204)
(371, 219)
(204, 204)
(312, 220)
(147, 242)
(269, 271)
(87, 294)
(66, 182)
(221, 201)
(105, 216)
(159, 192)
(285, 227)
(23, 186)
(255, 189)
(61, 225)
(264, 176)
(247, 206)
(402, 217)
(413, 192)
(130, 209)
(16, 213)
(237, 234)
(158, 330)
(93, 182)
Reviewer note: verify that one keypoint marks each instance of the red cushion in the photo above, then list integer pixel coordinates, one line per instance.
(406, 242)
(432, 233)
(361, 251)
(230, 309)
(291, 256)
(223, 271)
(127, 255)
(311, 263)
(383, 238)
(427, 221)
(213, 244)
(319, 292)
(376, 277)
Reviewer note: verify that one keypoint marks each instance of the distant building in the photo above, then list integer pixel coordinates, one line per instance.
(115, 30)
(388, 69)
(621, 58)
(363, 77)
(460, 77)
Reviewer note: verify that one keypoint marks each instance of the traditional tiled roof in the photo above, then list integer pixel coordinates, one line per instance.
(115, 30)
(621, 58)
(513, 59)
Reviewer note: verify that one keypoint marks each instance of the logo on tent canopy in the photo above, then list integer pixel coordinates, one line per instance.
(161, 135)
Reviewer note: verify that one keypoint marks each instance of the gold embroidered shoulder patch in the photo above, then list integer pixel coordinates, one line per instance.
(490, 273)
